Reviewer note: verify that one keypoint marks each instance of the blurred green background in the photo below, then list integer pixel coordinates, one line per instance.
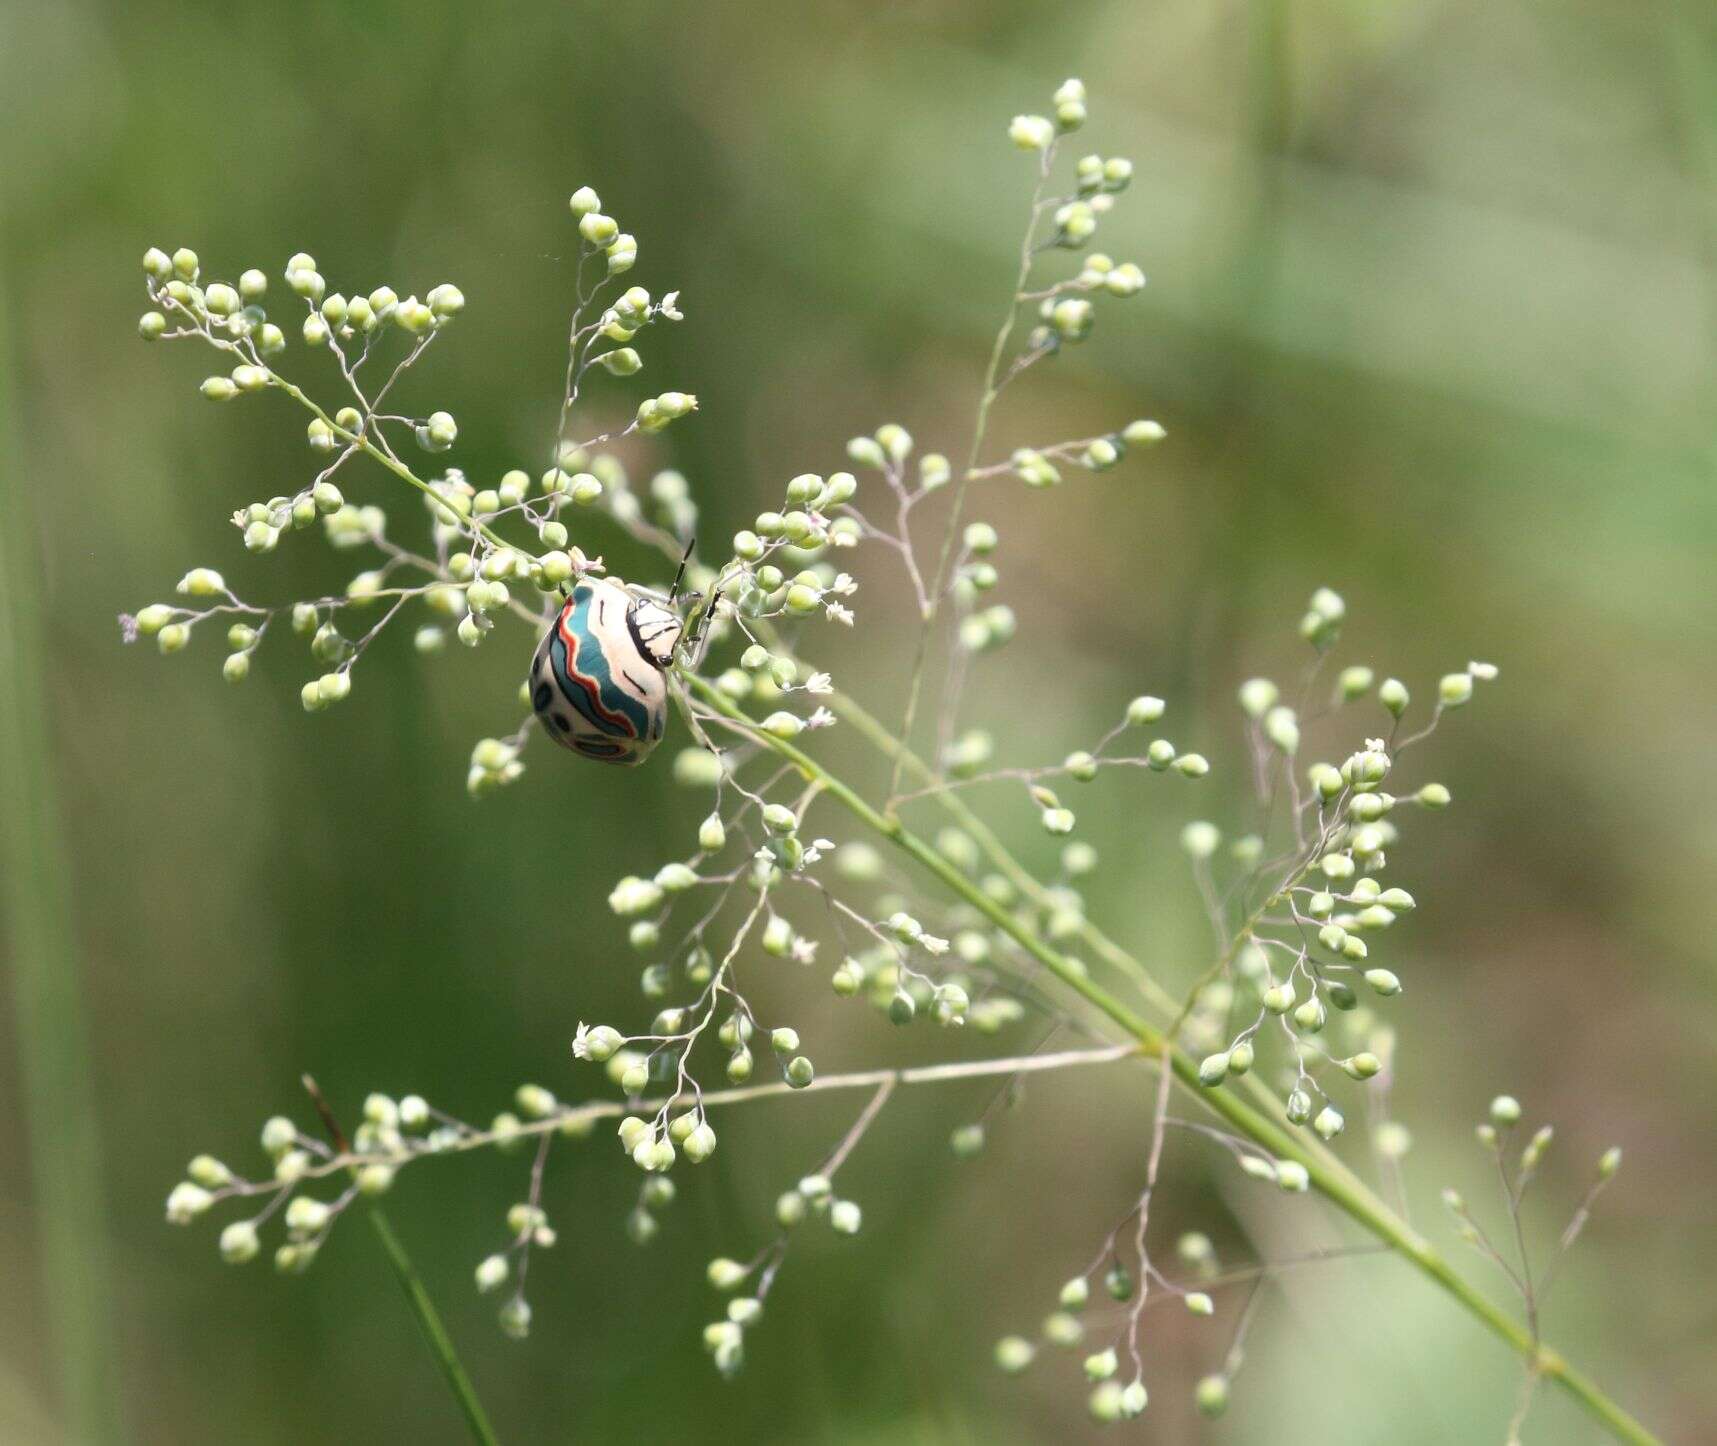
(1430, 321)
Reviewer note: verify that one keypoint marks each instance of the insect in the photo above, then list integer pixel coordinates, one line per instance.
(598, 681)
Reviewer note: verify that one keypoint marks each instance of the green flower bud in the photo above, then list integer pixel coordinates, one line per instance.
(621, 362)
(446, 300)
(777, 937)
(1125, 280)
(1062, 1329)
(800, 1072)
(699, 1145)
(1533, 1154)
(1014, 1354)
(413, 316)
(151, 325)
(845, 1217)
(598, 229)
(306, 1217)
(279, 1135)
(153, 618)
(1258, 696)
(1383, 982)
(1102, 1365)
(185, 264)
(697, 768)
(1146, 710)
(239, 1243)
(1058, 820)
(514, 1318)
(1200, 838)
(1073, 318)
(210, 1173)
(1363, 1065)
(1433, 795)
(1069, 114)
(725, 1274)
(1075, 223)
(1455, 689)
(1211, 1395)
(967, 1141)
(1195, 1248)
(172, 637)
(439, 433)
(745, 1310)
(1192, 765)
(1031, 132)
(1293, 1177)
(1505, 1110)
(1143, 434)
(1354, 682)
(1213, 1070)
(1282, 728)
(934, 471)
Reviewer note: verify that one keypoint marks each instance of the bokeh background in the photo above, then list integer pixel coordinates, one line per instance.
(1430, 320)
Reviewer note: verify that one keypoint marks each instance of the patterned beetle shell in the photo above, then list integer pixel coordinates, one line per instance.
(596, 681)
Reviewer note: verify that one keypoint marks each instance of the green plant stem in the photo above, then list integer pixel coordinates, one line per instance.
(1160, 999)
(416, 1296)
(61, 1119)
(1339, 1186)
(990, 389)
(1261, 1122)
(434, 1332)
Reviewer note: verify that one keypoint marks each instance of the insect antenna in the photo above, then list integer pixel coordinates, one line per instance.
(679, 577)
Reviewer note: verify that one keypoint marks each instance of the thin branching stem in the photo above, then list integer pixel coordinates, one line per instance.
(1338, 1185)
